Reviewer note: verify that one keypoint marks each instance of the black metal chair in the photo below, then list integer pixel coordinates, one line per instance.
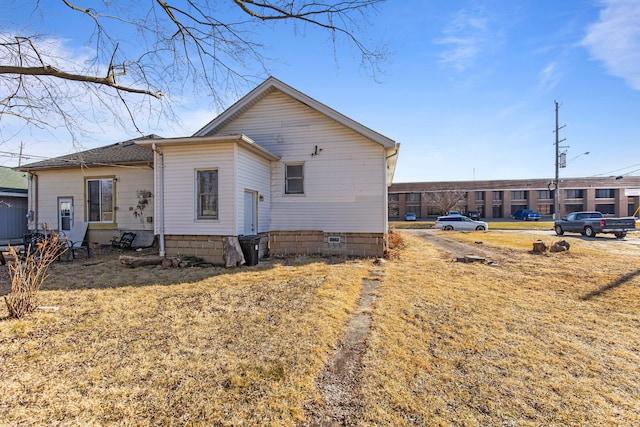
(75, 240)
(125, 241)
(30, 243)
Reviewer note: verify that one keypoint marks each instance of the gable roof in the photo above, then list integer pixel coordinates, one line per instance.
(272, 84)
(121, 153)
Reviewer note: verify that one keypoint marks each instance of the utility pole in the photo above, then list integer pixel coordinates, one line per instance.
(20, 155)
(556, 182)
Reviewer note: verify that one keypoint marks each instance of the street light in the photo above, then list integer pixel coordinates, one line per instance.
(579, 155)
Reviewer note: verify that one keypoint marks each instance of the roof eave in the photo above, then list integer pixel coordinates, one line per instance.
(86, 165)
(242, 140)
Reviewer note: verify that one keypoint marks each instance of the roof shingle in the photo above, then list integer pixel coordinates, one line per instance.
(125, 152)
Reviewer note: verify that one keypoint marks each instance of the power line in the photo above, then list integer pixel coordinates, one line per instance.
(618, 170)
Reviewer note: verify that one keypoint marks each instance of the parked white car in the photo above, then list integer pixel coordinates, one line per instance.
(458, 222)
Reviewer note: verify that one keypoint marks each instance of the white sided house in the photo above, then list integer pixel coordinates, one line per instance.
(110, 188)
(280, 165)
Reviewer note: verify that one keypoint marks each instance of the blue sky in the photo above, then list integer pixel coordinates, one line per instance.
(468, 90)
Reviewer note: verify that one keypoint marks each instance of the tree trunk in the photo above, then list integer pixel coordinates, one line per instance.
(133, 261)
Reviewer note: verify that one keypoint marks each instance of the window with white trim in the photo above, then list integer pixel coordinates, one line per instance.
(207, 194)
(100, 200)
(294, 178)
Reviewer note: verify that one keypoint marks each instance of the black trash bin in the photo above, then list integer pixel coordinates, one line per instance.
(250, 245)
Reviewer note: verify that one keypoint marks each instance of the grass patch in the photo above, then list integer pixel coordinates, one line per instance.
(546, 339)
(240, 347)
(543, 340)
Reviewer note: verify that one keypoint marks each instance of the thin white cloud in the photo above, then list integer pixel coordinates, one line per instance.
(615, 39)
(549, 77)
(466, 37)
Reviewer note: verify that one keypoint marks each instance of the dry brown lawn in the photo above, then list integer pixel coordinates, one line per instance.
(200, 346)
(531, 340)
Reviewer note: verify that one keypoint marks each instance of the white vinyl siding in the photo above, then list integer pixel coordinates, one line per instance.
(71, 183)
(253, 174)
(239, 170)
(294, 179)
(180, 192)
(344, 183)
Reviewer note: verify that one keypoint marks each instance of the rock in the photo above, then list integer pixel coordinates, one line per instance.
(539, 247)
(560, 246)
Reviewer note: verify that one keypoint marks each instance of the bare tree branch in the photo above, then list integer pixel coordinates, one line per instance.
(445, 200)
(48, 70)
(171, 46)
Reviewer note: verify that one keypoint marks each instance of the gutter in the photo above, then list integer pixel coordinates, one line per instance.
(33, 202)
(158, 184)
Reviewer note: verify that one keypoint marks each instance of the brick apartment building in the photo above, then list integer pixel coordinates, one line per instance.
(499, 199)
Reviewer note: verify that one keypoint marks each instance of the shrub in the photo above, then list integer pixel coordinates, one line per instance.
(28, 271)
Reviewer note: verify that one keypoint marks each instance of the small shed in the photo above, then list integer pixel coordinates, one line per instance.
(13, 204)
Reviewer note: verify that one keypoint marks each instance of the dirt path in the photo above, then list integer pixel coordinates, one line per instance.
(340, 378)
(451, 248)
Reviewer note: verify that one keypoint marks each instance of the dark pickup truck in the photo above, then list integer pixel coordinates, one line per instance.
(591, 223)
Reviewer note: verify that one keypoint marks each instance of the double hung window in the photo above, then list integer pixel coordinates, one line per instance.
(207, 194)
(294, 179)
(100, 200)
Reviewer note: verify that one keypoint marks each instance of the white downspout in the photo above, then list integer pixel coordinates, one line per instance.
(158, 183)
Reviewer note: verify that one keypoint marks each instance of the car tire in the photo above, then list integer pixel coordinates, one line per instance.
(480, 228)
(447, 228)
(559, 230)
(621, 235)
(588, 231)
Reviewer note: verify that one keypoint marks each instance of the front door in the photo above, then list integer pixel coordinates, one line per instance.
(65, 214)
(250, 213)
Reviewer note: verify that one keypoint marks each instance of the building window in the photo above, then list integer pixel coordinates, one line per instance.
(100, 200)
(497, 196)
(519, 195)
(573, 194)
(207, 194)
(605, 193)
(545, 195)
(294, 179)
(479, 196)
(412, 203)
(545, 209)
(606, 208)
(573, 208)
